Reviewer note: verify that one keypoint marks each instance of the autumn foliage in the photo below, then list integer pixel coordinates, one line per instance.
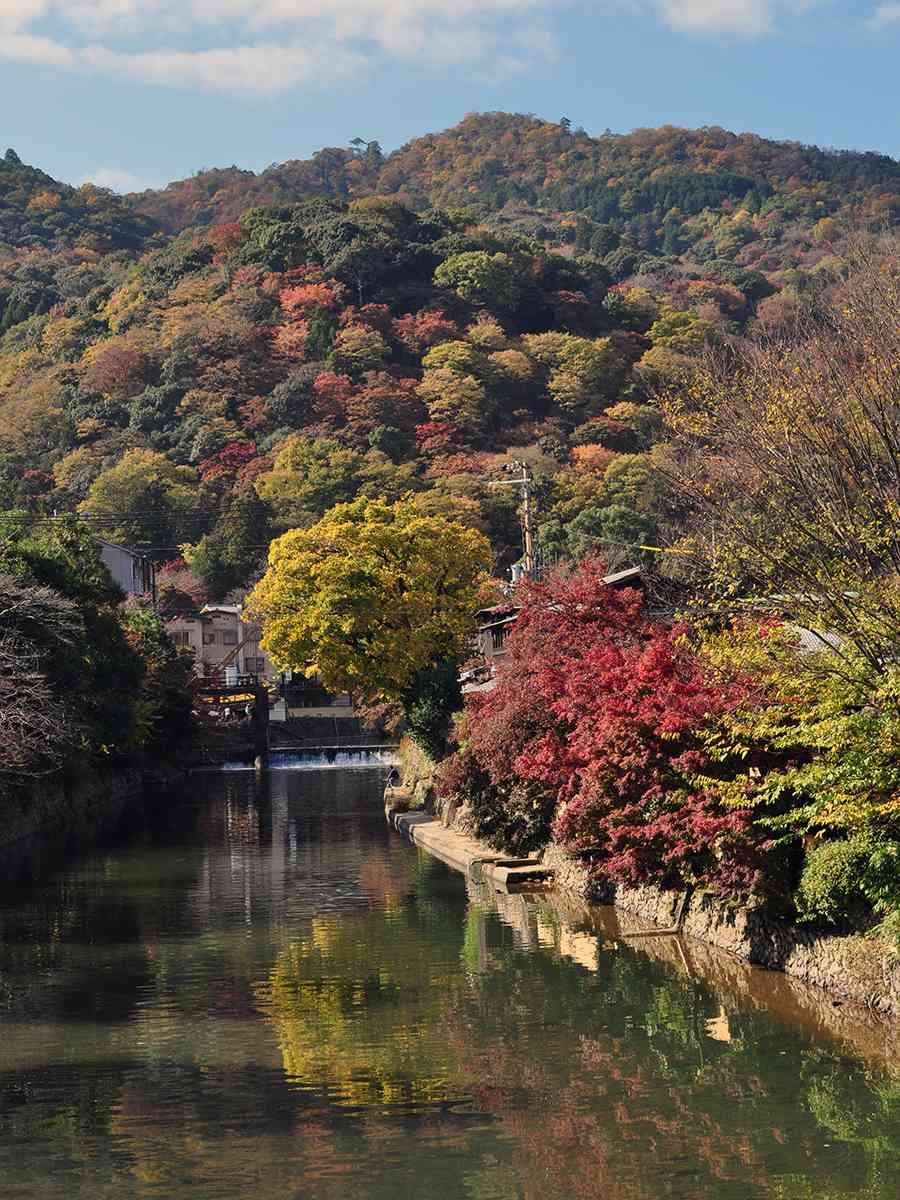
(593, 734)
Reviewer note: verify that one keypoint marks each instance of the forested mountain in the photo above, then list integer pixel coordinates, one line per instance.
(247, 377)
(359, 325)
(644, 200)
(39, 211)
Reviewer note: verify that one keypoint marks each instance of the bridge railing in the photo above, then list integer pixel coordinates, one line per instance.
(218, 681)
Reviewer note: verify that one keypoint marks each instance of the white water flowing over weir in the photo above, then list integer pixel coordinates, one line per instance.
(318, 759)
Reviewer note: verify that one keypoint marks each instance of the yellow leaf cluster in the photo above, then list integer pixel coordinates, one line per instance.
(370, 595)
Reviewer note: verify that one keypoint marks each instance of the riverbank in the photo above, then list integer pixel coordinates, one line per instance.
(854, 969)
(49, 820)
(583, 933)
(64, 800)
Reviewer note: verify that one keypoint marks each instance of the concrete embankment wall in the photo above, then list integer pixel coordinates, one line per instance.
(586, 933)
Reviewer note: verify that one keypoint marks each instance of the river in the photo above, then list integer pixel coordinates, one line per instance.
(263, 992)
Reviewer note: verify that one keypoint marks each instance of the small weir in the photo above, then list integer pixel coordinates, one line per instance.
(309, 758)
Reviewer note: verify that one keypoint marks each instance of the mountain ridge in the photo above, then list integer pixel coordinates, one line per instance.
(659, 193)
(40, 212)
(645, 189)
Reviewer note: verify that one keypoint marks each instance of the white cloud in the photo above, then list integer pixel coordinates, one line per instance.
(262, 68)
(749, 18)
(741, 18)
(265, 46)
(119, 179)
(22, 47)
(19, 14)
(884, 16)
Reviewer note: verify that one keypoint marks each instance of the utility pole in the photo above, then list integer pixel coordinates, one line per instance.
(523, 482)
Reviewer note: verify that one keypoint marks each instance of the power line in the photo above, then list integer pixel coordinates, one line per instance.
(154, 521)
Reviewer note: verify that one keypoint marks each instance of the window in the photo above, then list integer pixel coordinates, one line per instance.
(209, 639)
(229, 637)
(498, 636)
(180, 638)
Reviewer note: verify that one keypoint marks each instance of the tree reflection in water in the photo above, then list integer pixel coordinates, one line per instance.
(279, 998)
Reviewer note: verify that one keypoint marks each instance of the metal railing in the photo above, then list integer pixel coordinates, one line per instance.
(218, 681)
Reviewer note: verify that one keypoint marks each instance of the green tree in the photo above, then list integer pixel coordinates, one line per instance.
(100, 677)
(308, 477)
(229, 556)
(587, 369)
(617, 529)
(448, 396)
(145, 498)
(490, 279)
(358, 349)
(164, 719)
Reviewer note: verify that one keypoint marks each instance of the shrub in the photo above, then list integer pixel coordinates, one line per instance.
(512, 815)
(429, 703)
(830, 886)
(841, 878)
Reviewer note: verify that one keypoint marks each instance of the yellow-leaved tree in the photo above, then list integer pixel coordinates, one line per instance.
(379, 599)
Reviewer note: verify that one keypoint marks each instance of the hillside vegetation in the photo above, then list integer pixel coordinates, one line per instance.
(651, 198)
(247, 377)
(361, 325)
(39, 211)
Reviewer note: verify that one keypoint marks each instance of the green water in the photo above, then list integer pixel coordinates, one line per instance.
(264, 993)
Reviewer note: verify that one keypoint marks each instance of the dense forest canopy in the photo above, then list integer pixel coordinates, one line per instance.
(38, 211)
(201, 368)
(665, 192)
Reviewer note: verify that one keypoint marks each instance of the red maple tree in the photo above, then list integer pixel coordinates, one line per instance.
(595, 718)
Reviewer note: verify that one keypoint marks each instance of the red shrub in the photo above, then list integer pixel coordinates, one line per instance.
(385, 399)
(420, 332)
(302, 301)
(331, 393)
(574, 312)
(464, 462)
(370, 316)
(246, 277)
(224, 238)
(37, 485)
(439, 437)
(175, 579)
(289, 341)
(598, 708)
(252, 470)
(116, 370)
(254, 413)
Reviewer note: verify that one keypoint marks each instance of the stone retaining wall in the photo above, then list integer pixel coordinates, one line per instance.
(62, 802)
(854, 968)
(858, 969)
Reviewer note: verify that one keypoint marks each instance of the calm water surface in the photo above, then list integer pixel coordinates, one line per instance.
(267, 994)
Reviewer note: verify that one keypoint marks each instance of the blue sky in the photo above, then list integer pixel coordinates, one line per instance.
(138, 92)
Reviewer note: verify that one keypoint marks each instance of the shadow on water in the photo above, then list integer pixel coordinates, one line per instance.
(260, 990)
